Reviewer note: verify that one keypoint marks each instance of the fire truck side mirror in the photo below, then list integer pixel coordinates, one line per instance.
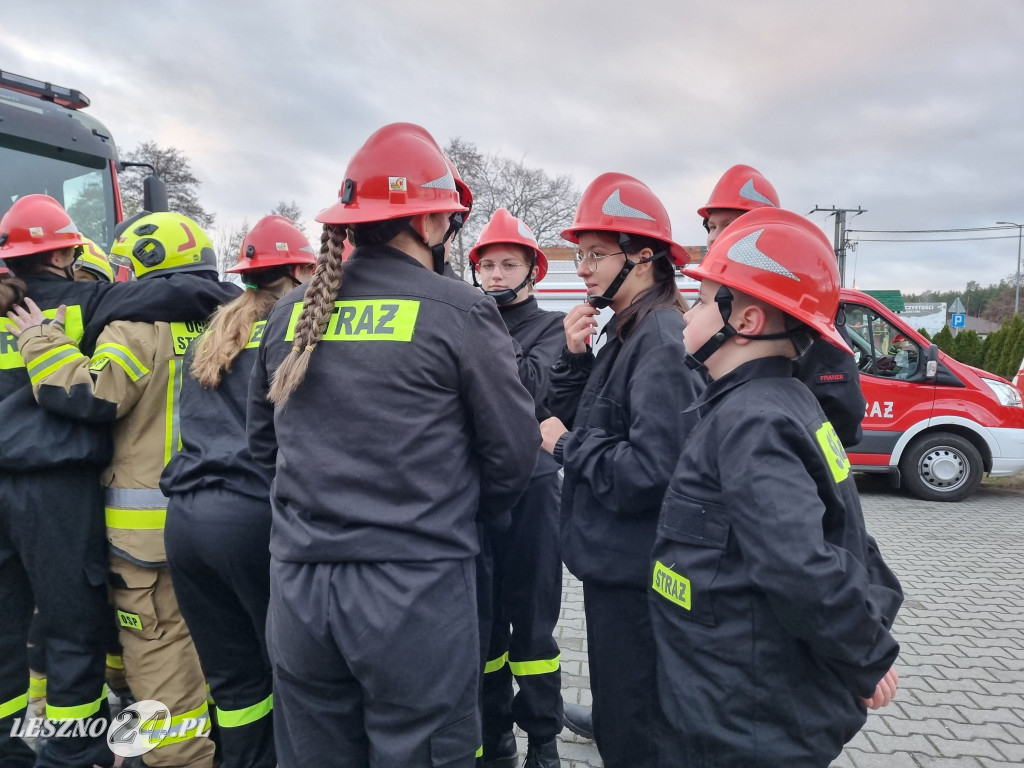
(931, 371)
(154, 193)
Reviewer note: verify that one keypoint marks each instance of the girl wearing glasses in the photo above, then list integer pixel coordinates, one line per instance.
(527, 568)
(618, 426)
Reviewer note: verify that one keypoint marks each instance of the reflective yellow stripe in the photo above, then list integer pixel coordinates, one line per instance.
(121, 355)
(200, 713)
(366, 320)
(172, 436)
(51, 360)
(76, 713)
(539, 667)
(115, 662)
(233, 718)
(833, 451)
(36, 687)
(480, 751)
(495, 664)
(257, 333)
(136, 519)
(671, 585)
(11, 358)
(12, 706)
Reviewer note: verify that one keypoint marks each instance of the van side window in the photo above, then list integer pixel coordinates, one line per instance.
(880, 348)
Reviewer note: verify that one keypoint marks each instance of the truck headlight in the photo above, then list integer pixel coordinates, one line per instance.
(1004, 393)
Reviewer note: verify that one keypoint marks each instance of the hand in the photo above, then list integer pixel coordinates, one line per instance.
(550, 430)
(29, 315)
(884, 691)
(580, 323)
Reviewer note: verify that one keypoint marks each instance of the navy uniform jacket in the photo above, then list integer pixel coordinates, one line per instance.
(31, 437)
(833, 378)
(771, 603)
(410, 419)
(214, 452)
(537, 337)
(625, 412)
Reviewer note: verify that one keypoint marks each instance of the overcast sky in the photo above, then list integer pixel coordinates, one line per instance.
(912, 109)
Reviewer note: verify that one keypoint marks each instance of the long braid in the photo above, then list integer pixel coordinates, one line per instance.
(317, 306)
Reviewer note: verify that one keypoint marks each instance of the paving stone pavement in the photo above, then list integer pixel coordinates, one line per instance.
(961, 632)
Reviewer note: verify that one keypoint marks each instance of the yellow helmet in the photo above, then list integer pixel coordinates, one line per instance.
(164, 242)
(93, 260)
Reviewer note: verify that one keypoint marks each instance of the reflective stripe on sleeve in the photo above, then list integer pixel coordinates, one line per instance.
(233, 718)
(124, 357)
(495, 664)
(36, 687)
(540, 667)
(51, 360)
(13, 706)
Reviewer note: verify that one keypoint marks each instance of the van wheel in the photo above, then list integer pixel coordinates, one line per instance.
(941, 466)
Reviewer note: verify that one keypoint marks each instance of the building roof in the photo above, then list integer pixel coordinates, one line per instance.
(892, 299)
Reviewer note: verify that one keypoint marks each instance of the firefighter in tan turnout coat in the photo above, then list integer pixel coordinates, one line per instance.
(134, 378)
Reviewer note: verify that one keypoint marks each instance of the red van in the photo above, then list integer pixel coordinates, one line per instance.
(935, 424)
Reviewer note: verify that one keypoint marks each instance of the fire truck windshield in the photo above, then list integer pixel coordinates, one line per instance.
(82, 183)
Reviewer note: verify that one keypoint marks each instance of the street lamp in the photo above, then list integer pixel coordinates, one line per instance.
(1020, 230)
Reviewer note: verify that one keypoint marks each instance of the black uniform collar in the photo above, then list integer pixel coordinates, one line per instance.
(367, 252)
(761, 368)
(46, 277)
(513, 314)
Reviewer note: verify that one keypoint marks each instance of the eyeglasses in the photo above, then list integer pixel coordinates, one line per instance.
(504, 266)
(591, 258)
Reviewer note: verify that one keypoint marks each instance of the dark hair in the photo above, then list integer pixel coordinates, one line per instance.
(664, 292)
(12, 291)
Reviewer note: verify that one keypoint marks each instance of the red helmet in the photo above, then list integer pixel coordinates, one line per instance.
(272, 242)
(399, 171)
(615, 202)
(741, 188)
(782, 259)
(36, 224)
(465, 193)
(506, 229)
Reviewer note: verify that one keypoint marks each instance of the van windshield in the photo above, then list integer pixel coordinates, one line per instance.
(879, 347)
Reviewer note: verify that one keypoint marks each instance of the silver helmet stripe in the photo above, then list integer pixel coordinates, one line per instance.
(747, 253)
(747, 192)
(614, 206)
(69, 229)
(525, 231)
(442, 182)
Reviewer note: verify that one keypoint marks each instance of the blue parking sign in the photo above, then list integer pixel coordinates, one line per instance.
(958, 321)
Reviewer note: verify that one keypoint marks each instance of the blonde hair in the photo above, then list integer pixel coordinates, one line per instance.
(317, 306)
(229, 330)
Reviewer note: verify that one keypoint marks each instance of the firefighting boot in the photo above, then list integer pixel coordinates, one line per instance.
(502, 753)
(542, 755)
(579, 719)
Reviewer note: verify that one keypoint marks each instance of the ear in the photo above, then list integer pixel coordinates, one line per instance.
(751, 320)
(64, 257)
(533, 274)
(640, 258)
(419, 225)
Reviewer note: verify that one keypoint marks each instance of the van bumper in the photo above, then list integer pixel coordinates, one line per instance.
(1009, 458)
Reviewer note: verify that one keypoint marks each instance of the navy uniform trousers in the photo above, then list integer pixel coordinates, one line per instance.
(218, 554)
(376, 664)
(53, 555)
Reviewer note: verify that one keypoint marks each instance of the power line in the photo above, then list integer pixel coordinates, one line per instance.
(927, 231)
(928, 239)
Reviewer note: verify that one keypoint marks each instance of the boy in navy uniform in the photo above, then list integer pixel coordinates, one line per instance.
(771, 604)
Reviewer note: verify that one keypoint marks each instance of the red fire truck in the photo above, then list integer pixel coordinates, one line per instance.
(49, 145)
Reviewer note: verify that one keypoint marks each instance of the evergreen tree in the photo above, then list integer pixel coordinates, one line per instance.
(994, 348)
(1013, 347)
(944, 340)
(924, 332)
(968, 348)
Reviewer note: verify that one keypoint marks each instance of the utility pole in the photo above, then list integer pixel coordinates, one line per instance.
(840, 241)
